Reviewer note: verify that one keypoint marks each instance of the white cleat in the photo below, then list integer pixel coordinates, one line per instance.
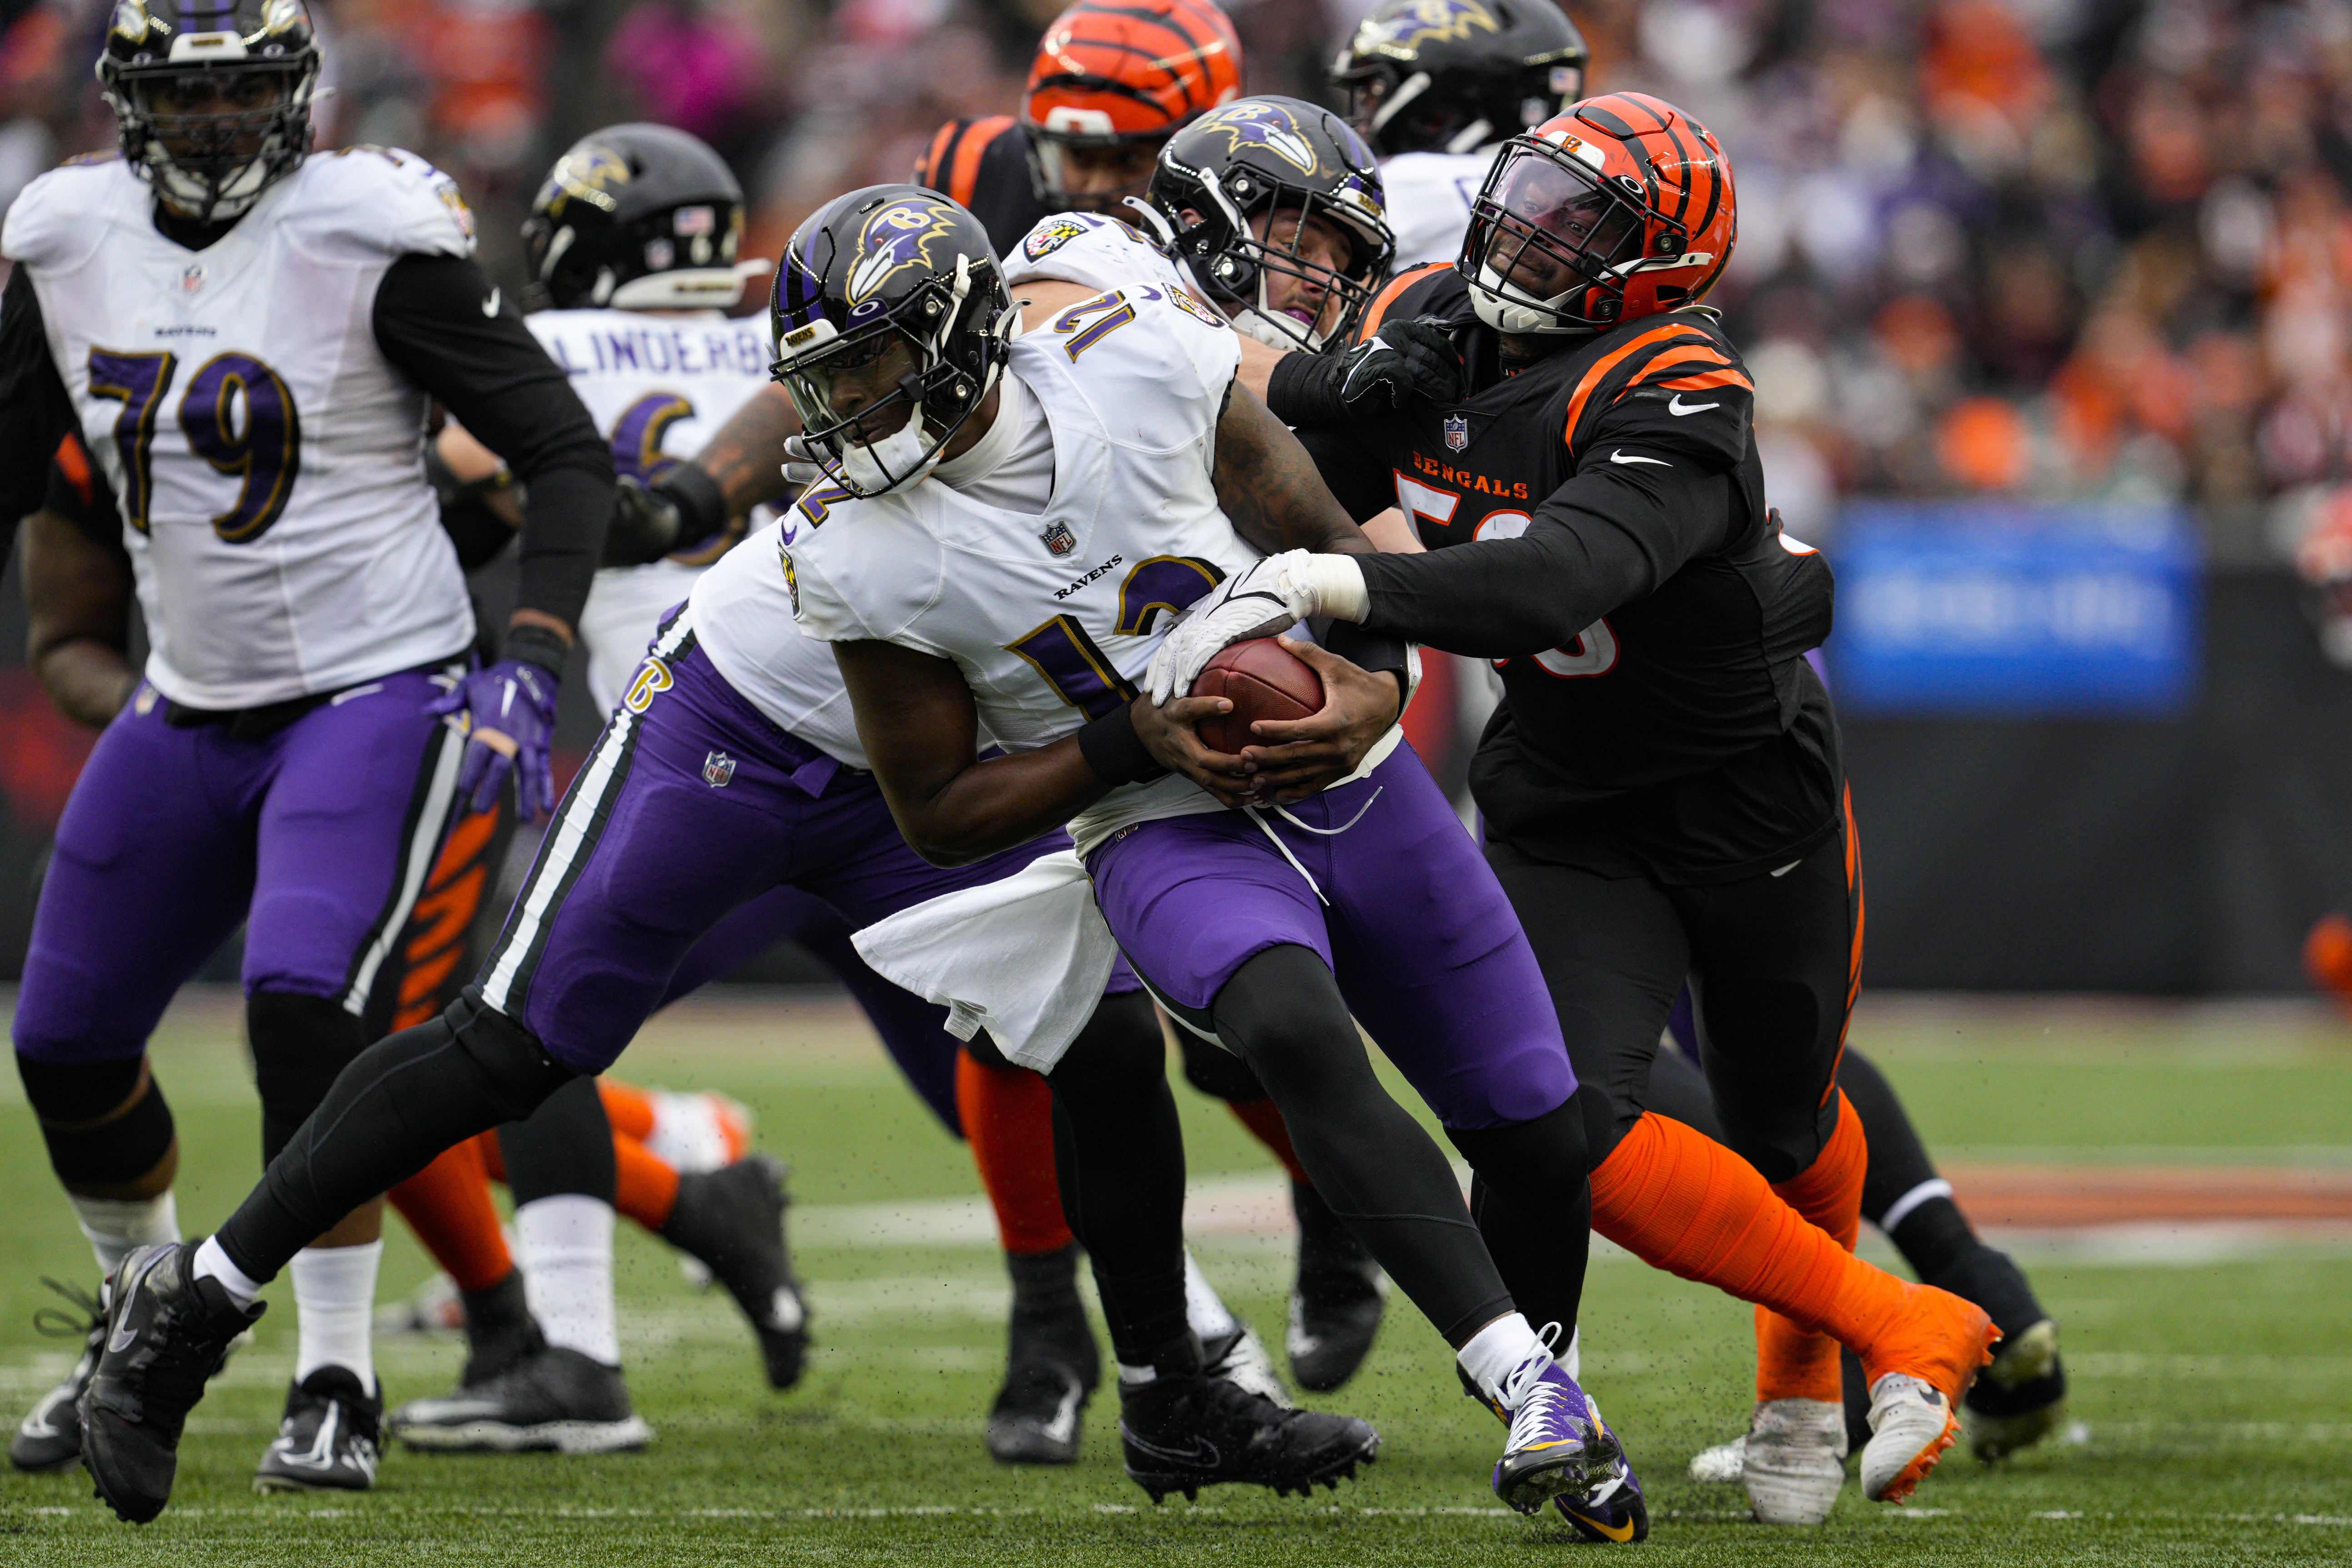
(1794, 1461)
(1911, 1424)
(1721, 1465)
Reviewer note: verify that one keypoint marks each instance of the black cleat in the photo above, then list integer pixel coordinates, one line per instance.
(558, 1401)
(1180, 1433)
(1051, 1364)
(500, 1332)
(1037, 1414)
(49, 1437)
(167, 1332)
(1336, 1307)
(331, 1438)
(732, 1222)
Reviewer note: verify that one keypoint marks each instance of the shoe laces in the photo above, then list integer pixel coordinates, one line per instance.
(88, 1314)
(1539, 1402)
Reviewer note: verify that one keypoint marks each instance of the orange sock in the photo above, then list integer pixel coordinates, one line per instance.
(1686, 1204)
(1792, 1364)
(448, 1204)
(628, 1108)
(1008, 1118)
(645, 1186)
(1266, 1124)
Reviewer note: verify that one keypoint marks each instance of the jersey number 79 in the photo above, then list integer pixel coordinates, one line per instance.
(239, 414)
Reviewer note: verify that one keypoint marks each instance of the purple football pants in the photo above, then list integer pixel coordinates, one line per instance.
(317, 838)
(692, 805)
(1427, 952)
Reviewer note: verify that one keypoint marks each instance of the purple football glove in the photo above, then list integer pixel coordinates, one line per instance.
(510, 711)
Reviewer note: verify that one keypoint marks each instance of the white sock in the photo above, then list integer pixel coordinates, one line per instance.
(1572, 1359)
(213, 1263)
(115, 1226)
(566, 1248)
(334, 1309)
(1204, 1310)
(1496, 1351)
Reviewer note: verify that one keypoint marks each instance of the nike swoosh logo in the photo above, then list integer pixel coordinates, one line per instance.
(124, 1332)
(490, 308)
(1200, 1451)
(1621, 457)
(1065, 1423)
(1620, 1534)
(1674, 406)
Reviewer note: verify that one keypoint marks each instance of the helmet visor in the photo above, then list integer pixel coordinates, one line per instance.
(1554, 225)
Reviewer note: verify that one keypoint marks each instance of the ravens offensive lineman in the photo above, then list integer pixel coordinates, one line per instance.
(1661, 786)
(247, 335)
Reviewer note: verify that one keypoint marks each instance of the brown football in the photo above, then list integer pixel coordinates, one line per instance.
(1263, 679)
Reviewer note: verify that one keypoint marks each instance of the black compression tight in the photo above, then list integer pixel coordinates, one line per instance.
(1283, 1013)
(1531, 1196)
(1119, 1154)
(398, 1105)
(566, 1147)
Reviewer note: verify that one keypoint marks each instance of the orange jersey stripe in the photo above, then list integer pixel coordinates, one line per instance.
(1379, 310)
(1726, 376)
(966, 173)
(74, 461)
(927, 169)
(1600, 372)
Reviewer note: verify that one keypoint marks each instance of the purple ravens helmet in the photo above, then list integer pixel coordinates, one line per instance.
(212, 96)
(891, 323)
(1253, 175)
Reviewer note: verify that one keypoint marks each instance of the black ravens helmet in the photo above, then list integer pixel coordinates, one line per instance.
(1453, 76)
(891, 323)
(212, 96)
(1277, 208)
(637, 218)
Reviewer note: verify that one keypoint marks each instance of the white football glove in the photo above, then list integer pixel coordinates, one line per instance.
(1265, 597)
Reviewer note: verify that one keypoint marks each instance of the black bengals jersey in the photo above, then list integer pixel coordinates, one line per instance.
(1596, 527)
(983, 166)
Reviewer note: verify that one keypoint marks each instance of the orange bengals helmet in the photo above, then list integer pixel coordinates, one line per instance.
(1115, 71)
(1619, 208)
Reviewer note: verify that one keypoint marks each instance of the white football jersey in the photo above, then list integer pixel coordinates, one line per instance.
(1090, 250)
(266, 457)
(1051, 618)
(1428, 197)
(658, 386)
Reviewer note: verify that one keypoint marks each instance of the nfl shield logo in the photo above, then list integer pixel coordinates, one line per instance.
(1458, 432)
(192, 278)
(1059, 539)
(716, 769)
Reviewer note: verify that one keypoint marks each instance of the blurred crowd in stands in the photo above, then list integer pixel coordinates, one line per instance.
(2082, 249)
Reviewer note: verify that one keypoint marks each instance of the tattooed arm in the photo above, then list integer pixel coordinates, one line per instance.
(1269, 487)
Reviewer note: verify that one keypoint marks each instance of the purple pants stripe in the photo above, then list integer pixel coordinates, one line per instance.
(316, 838)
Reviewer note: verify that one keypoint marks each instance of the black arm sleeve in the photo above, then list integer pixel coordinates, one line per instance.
(500, 384)
(1612, 534)
(1353, 470)
(35, 411)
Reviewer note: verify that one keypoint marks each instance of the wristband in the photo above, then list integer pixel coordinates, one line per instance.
(701, 504)
(1115, 751)
(538, 644)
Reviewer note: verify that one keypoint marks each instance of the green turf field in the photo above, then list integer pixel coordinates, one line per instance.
(2217, 1398)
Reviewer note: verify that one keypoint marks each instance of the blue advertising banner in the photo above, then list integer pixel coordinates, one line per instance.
(1974, 607)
